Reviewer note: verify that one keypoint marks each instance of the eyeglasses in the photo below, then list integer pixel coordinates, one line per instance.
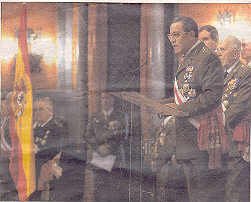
(176, 35)
(220, 49)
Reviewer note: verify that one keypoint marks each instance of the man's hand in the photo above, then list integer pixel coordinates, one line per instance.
(114, 125)
(104, 150)
(173, 105)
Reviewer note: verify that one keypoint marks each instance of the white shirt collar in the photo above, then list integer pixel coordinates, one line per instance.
(249, 64)
(107, 113)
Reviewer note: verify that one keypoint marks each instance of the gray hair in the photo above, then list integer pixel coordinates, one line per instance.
(233, 42)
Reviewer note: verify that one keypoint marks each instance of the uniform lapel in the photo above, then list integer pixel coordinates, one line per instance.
(180, 68)
(231, 74)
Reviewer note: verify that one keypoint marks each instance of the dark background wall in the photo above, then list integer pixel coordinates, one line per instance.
(170, 12)
(123, 46)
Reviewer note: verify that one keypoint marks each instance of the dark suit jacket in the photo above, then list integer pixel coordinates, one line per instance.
(99, 133)
(206, 82)
(236, 99)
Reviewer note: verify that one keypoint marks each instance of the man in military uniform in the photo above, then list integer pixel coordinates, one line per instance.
(246, 53)
(104, 137)
(236, 103)
(48, 132)
(198, 90)
(56, 163)
(209, 35)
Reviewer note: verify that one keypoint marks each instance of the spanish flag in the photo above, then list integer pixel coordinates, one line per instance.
(22, 161)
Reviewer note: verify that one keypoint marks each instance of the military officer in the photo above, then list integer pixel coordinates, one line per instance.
(104, 138)
(236, 103)
(209, 35)
(246, 53)
(49, 132)
(198, 90)
(104, 131)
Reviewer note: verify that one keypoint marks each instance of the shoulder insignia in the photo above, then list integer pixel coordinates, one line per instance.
(243, 71)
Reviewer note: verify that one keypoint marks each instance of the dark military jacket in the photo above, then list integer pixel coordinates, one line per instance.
(51, 134)
(99, 132)
(236, 99)
(200, 80)
(50, 138)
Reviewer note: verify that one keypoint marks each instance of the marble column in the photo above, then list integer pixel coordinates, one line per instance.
(152, 75)
(97, 54)
(70, 97)
(65, 13)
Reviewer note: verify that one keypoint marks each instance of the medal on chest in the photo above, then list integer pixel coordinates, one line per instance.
(230, 92)
(232, 84)
(186, 89)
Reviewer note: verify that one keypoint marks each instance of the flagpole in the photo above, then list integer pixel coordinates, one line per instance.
(0, 62)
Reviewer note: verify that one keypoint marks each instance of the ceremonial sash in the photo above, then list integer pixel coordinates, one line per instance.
(179, 99)
(211, 136)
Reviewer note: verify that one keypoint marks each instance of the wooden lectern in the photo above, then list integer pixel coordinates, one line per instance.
(149, 103)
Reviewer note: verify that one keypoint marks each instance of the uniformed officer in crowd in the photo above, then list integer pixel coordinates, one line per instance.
(236, 103)
(198, 91)
(209, 35)
(104, 136)
(246, 52)
(48, 131)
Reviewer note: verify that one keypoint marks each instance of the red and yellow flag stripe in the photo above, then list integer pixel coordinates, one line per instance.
(22, 161)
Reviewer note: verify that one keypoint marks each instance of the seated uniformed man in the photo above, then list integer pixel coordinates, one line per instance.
(48, 132)
(104, 137)
(105, 130)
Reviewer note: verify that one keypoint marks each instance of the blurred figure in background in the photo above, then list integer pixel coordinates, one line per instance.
(49, 132)
(246, 53)
(209, 35)
(105, 133)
